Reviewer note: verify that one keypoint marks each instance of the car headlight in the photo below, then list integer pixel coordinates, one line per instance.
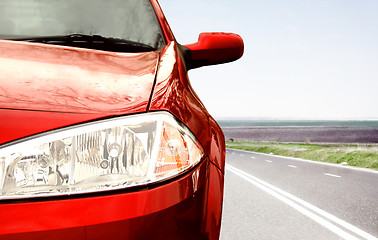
(106, 155)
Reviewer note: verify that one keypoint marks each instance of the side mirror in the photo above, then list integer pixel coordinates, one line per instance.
(213, 48)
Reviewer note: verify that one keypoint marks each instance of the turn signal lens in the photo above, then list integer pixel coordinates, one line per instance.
(106, 155)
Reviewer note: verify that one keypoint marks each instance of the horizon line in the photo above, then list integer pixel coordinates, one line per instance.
(290, 119)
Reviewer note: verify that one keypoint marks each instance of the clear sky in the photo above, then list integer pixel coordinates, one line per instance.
(303, 59)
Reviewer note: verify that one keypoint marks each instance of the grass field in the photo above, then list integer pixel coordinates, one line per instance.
(358, 155)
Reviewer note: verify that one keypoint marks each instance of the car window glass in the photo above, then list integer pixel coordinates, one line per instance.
(133, 20)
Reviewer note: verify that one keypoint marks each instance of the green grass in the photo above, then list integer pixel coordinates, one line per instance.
(358, 155)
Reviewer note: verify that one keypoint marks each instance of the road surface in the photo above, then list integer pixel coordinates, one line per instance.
(273, 197)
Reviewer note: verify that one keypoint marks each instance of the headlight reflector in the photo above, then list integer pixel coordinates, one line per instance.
(110, 154)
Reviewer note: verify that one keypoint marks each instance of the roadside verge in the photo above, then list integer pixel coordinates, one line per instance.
(356, 155)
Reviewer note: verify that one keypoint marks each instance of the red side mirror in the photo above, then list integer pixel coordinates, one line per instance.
(214, 48)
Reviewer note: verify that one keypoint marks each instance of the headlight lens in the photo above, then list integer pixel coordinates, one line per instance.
(111, 154)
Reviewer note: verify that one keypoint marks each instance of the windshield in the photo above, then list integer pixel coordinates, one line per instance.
(132, 20)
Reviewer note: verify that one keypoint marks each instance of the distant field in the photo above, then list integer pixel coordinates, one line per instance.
(301, 131)
(296, 123)
(302, 134)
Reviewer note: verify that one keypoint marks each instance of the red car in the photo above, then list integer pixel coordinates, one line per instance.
(101, 134)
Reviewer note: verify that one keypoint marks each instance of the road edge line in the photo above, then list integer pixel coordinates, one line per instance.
(304, 207)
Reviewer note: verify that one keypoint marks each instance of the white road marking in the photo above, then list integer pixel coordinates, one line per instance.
(268, 161)
(292, 166)
(332, 175)
(253, 157)
(318, 215)
(241, 155)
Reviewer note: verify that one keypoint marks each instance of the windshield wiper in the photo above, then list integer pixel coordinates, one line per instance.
(90, 41)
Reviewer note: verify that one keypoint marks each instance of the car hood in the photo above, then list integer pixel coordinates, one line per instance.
(44, 87)
(43, 77)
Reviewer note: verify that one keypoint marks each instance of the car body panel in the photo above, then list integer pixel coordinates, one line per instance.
(43, 218)
(181, 221)
(47, 87)
(54, 86)
(214, 202)
(16, 124)
(43, 77)
(174, 93)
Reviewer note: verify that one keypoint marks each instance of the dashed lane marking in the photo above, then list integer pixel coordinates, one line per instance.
(332, 175)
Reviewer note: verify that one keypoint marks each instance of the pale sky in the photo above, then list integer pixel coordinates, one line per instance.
(303, 59)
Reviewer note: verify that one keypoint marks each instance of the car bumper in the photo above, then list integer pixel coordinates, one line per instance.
(178, 209)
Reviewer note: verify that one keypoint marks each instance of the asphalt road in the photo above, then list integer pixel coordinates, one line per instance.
(273, 197)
